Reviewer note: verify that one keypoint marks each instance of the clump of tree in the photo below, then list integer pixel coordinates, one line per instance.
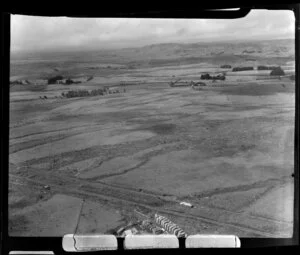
(69, 81)
(97, 92)
(53, 80)
(242, 68)
(76, 93)
(266, 67)
(86, 93)
(225, 66)
(277, 71)
(207, 76)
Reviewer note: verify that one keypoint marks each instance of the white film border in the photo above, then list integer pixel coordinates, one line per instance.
(31, 253)
(151, 242)
(81, 243)
(212, 241)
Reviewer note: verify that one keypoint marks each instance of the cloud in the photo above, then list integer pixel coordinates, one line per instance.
(54, 33)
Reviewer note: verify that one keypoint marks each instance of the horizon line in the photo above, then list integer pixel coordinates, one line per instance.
(65, 49)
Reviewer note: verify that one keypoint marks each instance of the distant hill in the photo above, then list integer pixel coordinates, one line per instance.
(270, 52)
(283, 47)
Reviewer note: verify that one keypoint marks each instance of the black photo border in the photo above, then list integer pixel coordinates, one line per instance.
(55, 243)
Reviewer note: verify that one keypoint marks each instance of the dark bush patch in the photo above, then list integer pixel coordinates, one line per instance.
(163, 129)
(277, 71)
(225, 66)
(86, 93)
(207, 76)
(244, 68)
(69, 81)
(266, 67)
(54, 79)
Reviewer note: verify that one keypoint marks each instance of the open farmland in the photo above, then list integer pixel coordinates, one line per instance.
(85, 164)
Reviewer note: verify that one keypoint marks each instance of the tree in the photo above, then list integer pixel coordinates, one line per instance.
(52, 80)
(277, 71)
(205, 76)
(243, 68)
(69, 81)
(226, 66)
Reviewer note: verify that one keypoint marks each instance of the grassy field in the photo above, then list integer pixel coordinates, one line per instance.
(89, 162)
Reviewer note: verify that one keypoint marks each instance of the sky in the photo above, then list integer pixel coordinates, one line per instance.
(33, 33)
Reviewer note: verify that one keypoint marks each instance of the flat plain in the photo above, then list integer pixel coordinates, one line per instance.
(85, 164)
